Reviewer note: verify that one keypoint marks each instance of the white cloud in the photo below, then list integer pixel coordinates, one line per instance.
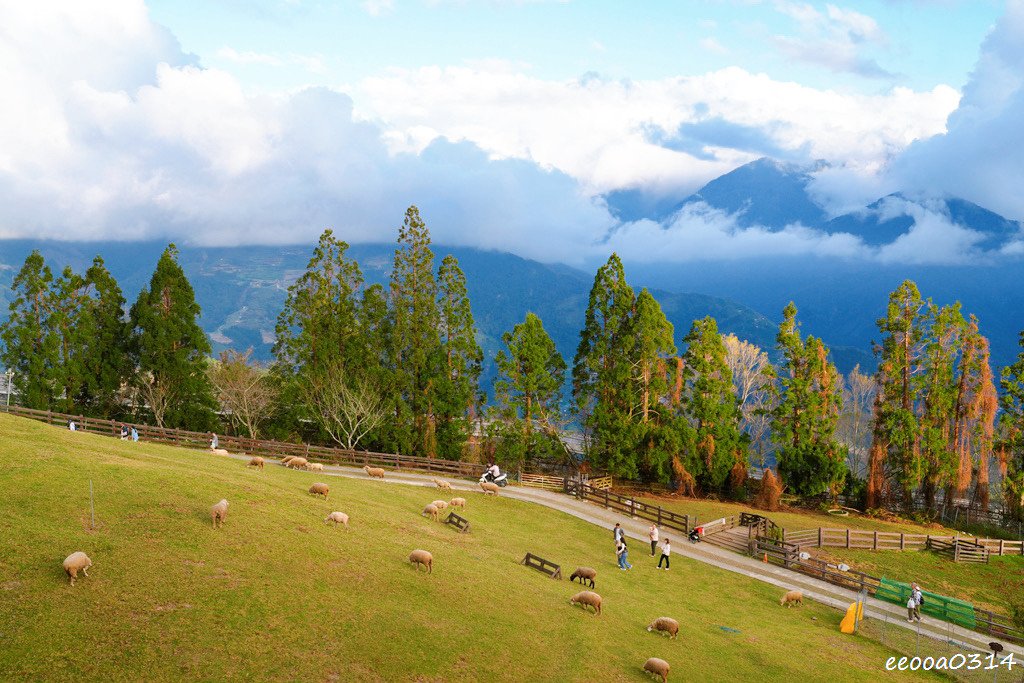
(836, 38)
(710, 44)
(376, 8)
(311, 63)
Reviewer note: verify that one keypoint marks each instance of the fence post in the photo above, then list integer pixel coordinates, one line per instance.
(876, 541)
(902, 540)
(632, 507)
(659, 516)
(819, 536)
(847, 538)
(606, 498)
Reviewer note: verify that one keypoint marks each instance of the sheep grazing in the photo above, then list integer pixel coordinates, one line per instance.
(315, 467)
(418, 557)
(77, 562)
(219, 513)
(374, 471)
(457, 503)
(220, 451)
(430, 511)
(319, 489)
(489, 487)
(256, 462)
(287, 459)
(297, 463)
(658, 667)
(587, 598)
(666, 624)
(791, 598)
(442, 484)
(440, 504)
(584, 574)
(337, 518)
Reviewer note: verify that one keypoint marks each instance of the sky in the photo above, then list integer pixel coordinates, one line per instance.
(505, 121)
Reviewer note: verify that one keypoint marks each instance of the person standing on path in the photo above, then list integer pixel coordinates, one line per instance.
(918, 598)
(653, 535)
(666, 551)
(623, 554)
(619, 534)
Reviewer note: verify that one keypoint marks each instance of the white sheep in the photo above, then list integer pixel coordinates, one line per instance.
(374, 471)
(666, 624)
(440, 504)
(489, 487)
(442, 484)
(418, 557)
(315, 467)
(658, 667)
(256, 462)
(337, 518)
(77, 562)
(219, 512)
(791, 598)
(457, 503)
(430, 511)
(320, 489)
(587, 598)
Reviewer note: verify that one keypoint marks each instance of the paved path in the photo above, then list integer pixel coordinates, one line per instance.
(822, 591)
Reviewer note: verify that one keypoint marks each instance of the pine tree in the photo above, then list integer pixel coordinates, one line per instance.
(415, 339)
(31, 349)
(604, 395)
(714, 442)
(171, 350)
(68, 322)
(653, 375)
(105, 340)
(457, 393)
(1011, 442)
(939, 391)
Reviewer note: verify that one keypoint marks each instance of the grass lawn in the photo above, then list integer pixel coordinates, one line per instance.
(277, 595)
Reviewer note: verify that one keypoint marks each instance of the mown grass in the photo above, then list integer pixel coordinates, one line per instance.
(277, 595)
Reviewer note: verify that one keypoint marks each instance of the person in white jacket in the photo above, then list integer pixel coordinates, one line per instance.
(653, 535)
(666, 551)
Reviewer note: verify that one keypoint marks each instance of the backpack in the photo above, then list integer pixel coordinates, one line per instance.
(920, 599)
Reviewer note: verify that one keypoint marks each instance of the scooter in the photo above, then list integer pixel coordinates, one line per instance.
(500, 480)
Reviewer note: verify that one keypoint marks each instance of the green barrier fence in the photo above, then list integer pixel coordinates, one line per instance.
(938, 606)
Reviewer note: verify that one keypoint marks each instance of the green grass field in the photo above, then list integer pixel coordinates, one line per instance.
(277, 595)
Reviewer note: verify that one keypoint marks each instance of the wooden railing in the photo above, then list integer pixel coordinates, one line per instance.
(630, 506)
(542, 481)
(864, 539)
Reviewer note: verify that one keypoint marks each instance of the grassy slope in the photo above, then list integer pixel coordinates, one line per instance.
(277, 595)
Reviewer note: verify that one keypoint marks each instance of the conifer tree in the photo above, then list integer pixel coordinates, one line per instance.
(653, 375)
(1010, 447)
(31, 349)
(171, 350)
(105, 340)
(69, 322)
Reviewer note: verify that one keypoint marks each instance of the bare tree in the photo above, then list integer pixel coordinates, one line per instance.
(855, 428)
(751, 377)
(347, 406)
(153, 394)
(244, 390)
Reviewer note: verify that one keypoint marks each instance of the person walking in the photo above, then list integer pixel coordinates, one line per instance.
(911, 607)
(619, 534)
(653, 535)
(918, 598)
(666, 552)
(623, 554)
(214, 444)
(135, 434)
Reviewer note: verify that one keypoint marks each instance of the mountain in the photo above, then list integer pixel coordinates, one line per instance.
(241, 289)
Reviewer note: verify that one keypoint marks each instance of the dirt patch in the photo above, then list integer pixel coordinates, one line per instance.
(10, 585)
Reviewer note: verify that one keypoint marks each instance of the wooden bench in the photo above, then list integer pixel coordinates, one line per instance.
(543, 566)
(460, 523)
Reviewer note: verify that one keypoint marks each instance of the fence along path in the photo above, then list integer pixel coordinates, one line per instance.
(863, 539)
(181, 437)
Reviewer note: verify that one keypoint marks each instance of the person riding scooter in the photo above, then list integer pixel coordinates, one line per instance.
(493, 474)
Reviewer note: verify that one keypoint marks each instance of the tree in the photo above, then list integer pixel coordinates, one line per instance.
(854, 428)
(809, 398)
(415, 339)
(103, 353)
(69, 322)
(171, 349)
(347, 407)
(602, 370)
(652, 360)
(1010, 447)
(457, 393)
(751, 378)
(713, 439)
(244, 391)
(31, 348)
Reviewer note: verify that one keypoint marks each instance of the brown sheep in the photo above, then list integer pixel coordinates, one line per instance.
(320, 489)
(440, 504)
(658, 667)
(587, 598)
(297, 463)
(430, 511)
(792, 597)
(374, 471)
(219, 513)
(441, 484)
(256, 462)
(77, 562)
(337, 517)
(584, 574)
(489, 487)
(315, 467)
(287, 459)
(457, 503)
(418, 557)
(666, 624)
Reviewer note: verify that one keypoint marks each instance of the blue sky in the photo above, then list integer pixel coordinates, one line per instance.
(506, 121)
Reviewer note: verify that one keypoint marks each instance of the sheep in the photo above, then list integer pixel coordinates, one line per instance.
(76, 562)
(287, 459)
(442, 484)
(256, 462)
(440, 504)
(792, 597)
(219, 512)
(457, 503)
(297, 463)
(418, 557)
(666, 624)
(489, 487)
(319, 489)
(587, 598)
(584, 574)
(430, 511)
(658, 667)
(337, 517)
(374, 471)
(220, 451)
(315, 467)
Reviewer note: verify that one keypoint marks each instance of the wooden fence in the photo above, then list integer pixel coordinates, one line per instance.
(630, 506)
(863, 539)
(542, 481)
